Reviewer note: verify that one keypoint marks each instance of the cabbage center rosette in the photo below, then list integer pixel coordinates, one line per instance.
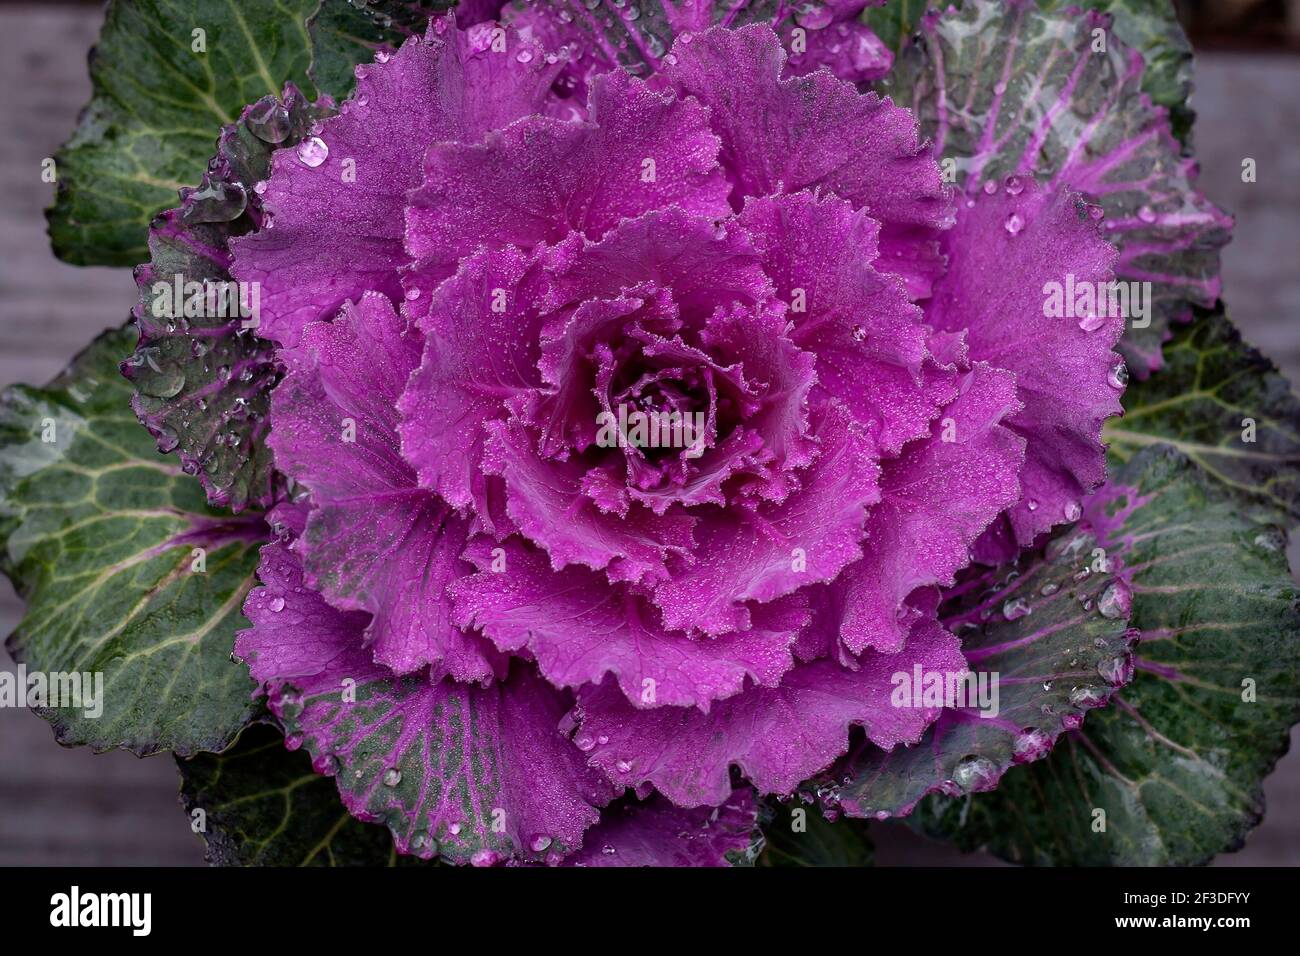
(514, 622)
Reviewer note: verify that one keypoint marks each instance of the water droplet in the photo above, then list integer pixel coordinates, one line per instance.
(1116, 670)
(524, 56)
(1031, 504)
(608, 850)
(623, 766)
(326, 764)
(484, 858)
(1270, 540)
(1014, 185)
(540, 843)
(1086, 697)
(1014, 224)
(1073, 512)
(1015, 609)
(1118, 376)
(412, 295)
(382, 56)
(814, 16)
(859, 333)
(1091, 322)
(276, 604)
(1030, 744)
(454, 829)
(216, 202)
(313, 151)
(1116, 600)
(584, 743)
(392, 777)
(975, 774)
(1050, 588)
(1147, 214)
(269, 120)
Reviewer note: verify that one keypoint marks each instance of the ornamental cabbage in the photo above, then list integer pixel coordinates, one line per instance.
(479, 268)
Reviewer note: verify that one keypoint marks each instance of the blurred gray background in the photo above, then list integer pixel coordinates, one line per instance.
(72, 807)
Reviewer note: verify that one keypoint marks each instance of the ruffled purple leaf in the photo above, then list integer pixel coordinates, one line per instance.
(783, 135)
(936, 500)
(578, 629)
(541, 178)
(654, 832)
(776, 736)
(1006, 251)
(344, 189)
(374, 540)
(775, 549)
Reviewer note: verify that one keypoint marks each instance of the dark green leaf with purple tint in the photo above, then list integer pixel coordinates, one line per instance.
(265, 806)
(1047, 640)
(1006, 90)
(797, 834)
(202, 376)
(1171, 772)
(345, 33)
(124, 568)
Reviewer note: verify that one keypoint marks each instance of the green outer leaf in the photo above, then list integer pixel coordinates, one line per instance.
(156, 110)
(99, 530)
(345, 34)
(1212, 383)
(1177, 763)
(821, 842)
(265, 806)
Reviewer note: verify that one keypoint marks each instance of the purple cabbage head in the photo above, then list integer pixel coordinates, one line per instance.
(635, 426)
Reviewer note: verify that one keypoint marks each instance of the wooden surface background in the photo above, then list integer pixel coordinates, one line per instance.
(62, 806)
